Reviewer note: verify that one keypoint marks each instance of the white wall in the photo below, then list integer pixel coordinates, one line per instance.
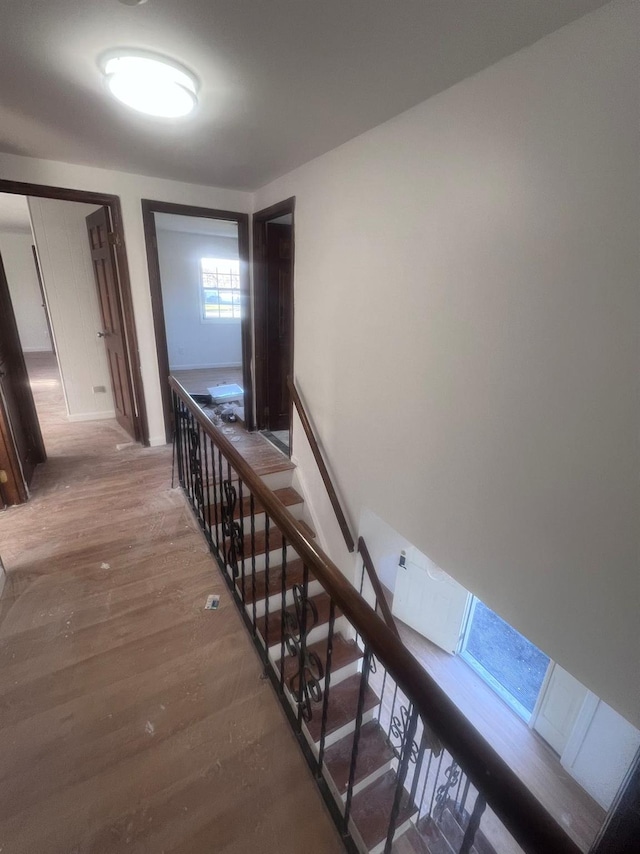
(60, 233)
(466, 336)
(191, 341)
(131, 189)
(17, 256)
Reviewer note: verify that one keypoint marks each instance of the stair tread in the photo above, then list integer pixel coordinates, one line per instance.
(343, 706)
(432, 837)
(294, 575)
(275, 539)
(322, 602)
(453, 825)
(373, 753)
(287, 495)
(371, 809)
(344, 652)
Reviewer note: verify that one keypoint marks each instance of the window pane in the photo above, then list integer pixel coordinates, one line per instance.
(220, 279)
(513, 661)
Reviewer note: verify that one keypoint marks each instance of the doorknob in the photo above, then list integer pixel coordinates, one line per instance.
(103, 334)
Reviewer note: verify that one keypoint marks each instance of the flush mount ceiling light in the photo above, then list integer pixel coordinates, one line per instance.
(150, 84)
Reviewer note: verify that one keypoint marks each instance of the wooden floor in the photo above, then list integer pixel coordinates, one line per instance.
(130, 718)
(198, 380)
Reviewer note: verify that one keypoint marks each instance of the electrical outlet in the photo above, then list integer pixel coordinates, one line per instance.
(99, 389)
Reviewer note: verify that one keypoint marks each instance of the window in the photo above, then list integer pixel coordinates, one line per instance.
(504, 658)
(220, 288)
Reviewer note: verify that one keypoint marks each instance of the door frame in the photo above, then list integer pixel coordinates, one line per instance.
(151, 207)
(134, 379)
(260, 219)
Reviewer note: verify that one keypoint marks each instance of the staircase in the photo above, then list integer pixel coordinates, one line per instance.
(375, 749)
(274, 577)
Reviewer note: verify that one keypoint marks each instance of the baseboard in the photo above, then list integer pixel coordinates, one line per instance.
(91, 416)
(205, 367)
(36, 350)
(156, 441)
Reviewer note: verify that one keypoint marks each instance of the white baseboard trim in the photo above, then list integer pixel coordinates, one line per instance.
(37, 350)
(156, 441)
(91, 416)
(205, 367)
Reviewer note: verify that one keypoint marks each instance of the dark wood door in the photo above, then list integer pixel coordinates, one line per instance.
(23, 447)
(112, 332)
(279, 323)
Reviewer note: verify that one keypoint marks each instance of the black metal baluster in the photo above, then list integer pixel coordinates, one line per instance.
(418, 767)
(222, 510)
(216, 499)
(327, 680)
(465, 794)
(205, 458)
(179, 438)
(435, 783)
(302, 649)
(405, 755)
(200, 481)
(252, 525)
(424, 785)
(364, 678)
(474, 824)
(393, 708)
(283, 606)
(267, 524)
(241, 501)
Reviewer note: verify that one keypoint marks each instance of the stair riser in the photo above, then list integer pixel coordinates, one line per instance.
(274, 480)
(316, 634)
(400, 829)
(367, 781)
(345, 730)
(296, 511)
(275, 601)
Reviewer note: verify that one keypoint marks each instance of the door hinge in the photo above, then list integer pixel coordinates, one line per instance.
(3, 476)
(114, 239)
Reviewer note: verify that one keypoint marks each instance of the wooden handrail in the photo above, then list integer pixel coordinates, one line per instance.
(514, 804)
(324, 472)
(377, 587)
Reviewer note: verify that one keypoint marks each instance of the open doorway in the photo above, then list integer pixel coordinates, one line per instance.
(273, 255)
(65, 344)
(198, 273)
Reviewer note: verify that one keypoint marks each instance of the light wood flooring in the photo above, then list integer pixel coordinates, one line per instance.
(130, 718)
(198, 380)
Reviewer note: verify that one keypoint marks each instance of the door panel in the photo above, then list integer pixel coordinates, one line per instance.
(23, 439)
(112, 332)
(430, 601)
(559, 707)
(279, 305)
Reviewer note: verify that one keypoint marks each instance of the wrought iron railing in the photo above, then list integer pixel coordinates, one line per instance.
(311, 626)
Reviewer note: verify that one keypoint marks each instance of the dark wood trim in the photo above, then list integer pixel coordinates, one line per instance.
(151, 207)
(620, 833)
(377, 587)
(14, 490)
(260, 219)
(324, 471)
(67, 194)
(514, 804)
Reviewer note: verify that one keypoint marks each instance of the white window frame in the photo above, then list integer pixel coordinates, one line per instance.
(202, 289)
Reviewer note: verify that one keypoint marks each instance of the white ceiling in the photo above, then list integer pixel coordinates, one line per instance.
(14, 213)
(282, 80)
(196, 225)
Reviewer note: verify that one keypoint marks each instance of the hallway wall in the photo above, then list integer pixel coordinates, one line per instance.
(60, 232)
(17, 256)
(131, 189)
(467, 305)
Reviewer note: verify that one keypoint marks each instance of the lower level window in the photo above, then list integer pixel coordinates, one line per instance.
(504, 658)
